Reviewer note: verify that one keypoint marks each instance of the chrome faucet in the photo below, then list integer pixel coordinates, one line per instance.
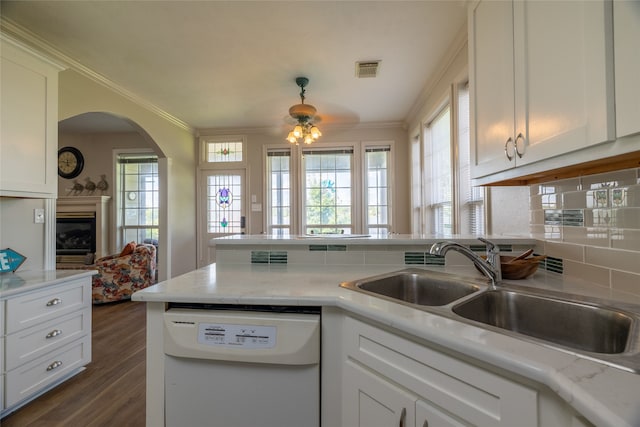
(490, 267)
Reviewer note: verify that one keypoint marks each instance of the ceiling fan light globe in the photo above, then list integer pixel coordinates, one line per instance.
(308, 139)
(297, 131)
(315, 132)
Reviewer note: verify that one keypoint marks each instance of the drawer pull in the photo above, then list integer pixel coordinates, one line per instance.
(403, 418)
(53, 302)
(54, 365)
(53, 333)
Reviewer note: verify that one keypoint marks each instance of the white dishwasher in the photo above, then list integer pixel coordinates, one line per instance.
(230, 366)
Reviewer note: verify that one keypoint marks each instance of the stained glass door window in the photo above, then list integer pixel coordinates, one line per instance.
(225, 213)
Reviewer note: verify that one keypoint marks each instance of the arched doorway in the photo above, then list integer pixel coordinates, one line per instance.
(103, 139)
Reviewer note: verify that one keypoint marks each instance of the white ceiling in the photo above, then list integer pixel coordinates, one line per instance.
(230, 64)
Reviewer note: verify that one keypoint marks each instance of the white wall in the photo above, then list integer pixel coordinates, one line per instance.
(79, 94)
(18, 231)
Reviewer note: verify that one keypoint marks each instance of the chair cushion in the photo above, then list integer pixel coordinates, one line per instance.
(128, 249)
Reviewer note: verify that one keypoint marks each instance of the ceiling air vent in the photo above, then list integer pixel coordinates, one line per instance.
(367, 69)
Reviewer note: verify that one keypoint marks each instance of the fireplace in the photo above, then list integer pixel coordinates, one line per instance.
(82, 228)
(75, 233)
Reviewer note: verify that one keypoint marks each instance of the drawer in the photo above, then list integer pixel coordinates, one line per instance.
(45, 304)
(31, 343)
(31, 378)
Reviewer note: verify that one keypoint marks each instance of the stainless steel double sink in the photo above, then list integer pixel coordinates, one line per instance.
(586, 327)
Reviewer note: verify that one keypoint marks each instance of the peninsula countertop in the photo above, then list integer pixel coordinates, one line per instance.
(606, 396)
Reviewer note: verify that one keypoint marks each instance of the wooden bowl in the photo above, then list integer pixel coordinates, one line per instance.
(519, 269)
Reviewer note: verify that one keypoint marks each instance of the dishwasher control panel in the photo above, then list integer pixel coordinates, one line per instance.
(237, 335)
(242, 336)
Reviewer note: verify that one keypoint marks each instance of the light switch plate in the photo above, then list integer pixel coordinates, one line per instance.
(38, 216)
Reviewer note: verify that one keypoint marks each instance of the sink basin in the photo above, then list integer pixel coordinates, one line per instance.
(576, 325)
(417, 287)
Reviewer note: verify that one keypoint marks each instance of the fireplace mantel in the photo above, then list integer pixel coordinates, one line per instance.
(99, 205)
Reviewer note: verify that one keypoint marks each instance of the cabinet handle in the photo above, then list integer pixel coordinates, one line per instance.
(54, 365)
(53, 302)
(403, 417)
(53, 333)
(518, 138)
(506, 149)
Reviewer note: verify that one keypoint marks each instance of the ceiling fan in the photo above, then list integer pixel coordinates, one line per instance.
(304, 115)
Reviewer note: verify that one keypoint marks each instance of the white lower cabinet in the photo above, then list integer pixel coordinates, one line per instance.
(372, 401)
(389, 380)
(46, 339)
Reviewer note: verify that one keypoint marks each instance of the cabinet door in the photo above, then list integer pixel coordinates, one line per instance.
(626, 25)
(564, 77)
(29, 124)
(428, 415)
(491, 79)
(371, 401)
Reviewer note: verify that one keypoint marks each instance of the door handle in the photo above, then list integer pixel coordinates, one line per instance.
(518, 138)
(506, 149)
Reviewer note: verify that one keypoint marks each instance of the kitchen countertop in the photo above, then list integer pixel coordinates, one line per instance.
(24, 281)
(605, 395)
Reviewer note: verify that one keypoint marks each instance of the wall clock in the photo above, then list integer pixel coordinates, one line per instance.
(70, 162)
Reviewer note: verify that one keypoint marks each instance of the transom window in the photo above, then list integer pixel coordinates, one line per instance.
(223, 150)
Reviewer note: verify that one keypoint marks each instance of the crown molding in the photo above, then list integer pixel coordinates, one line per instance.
(42, 47)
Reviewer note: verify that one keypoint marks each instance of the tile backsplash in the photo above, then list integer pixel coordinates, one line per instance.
(593, 223)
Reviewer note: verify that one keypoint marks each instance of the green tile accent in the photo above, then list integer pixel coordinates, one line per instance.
(317, 247)
(483, 248)
(555, 265)
(414, 258)
(434, 259)
(269, 257)
(278, 257)
(259, 257)
(337, 248)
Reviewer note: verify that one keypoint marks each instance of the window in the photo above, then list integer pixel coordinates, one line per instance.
(449, 204)
(438, 179)
(378, 221)
(224, 203)
(139, 197)
(471, 198)
(279, 191)
(328, 191)
(223, 150)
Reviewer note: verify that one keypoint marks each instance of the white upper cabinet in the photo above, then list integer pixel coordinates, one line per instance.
(29, 123)
(542, 80)
(626, 25)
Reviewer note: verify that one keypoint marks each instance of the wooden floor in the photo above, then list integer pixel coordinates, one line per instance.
(111, 391)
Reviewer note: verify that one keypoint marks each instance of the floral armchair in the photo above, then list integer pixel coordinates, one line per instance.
(119, 275)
